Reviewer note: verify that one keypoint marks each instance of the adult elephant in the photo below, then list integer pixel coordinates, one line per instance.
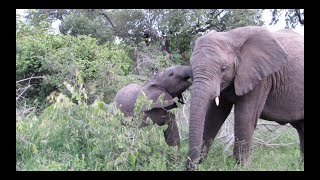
(260, 72)
(171, 83)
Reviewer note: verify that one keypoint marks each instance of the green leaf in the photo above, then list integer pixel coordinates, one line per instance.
(132, 159)
(161, 98)
(148, 149)
(149, 121)
(100, 105)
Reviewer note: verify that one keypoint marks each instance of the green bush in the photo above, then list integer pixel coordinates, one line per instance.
(60, 57)
(69, 136)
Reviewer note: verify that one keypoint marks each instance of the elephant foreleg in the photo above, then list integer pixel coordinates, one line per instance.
(247, 111)
(171, 134)
(215, 117)
(299, 126)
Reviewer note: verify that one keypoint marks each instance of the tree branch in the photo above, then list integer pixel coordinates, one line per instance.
(274, 19)
(299, 16)
(212, 13)
(31, 78)
(23, 91)
(106, 16)
(218, 14)
(270, 145)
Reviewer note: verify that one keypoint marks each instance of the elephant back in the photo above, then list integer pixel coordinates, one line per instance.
(126, 97)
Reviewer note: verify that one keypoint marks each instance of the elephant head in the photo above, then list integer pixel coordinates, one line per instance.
(242, 58)
(171, 82)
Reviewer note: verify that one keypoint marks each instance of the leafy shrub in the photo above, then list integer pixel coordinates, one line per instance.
(69, 136)
(61, 57)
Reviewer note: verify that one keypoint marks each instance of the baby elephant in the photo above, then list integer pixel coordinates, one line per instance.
(171, 82)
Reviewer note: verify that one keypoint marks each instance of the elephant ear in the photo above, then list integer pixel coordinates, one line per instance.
(260, 55)
(153, 93)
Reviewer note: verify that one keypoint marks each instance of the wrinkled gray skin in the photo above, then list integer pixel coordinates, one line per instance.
(171, 82)
(260, 72)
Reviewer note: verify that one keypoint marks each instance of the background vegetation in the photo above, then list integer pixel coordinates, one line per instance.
(66, 81)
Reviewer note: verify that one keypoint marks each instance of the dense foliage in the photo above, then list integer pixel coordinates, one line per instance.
(60, 58)
(132, 26)
(69, 136)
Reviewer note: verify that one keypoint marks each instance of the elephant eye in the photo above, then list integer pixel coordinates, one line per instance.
(224, 68)
(171, 74)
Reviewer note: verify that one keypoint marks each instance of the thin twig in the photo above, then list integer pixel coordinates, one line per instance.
(21, 89)
(277, 136)
(269, 124)
(268, 128)
(285, 144)
(24, 111)
(31, 78)
(184, 114)
(133, 140)
(23, 92)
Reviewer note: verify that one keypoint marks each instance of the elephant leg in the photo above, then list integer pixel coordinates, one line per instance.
(215, 117)
(156, 115)
(299, 126)
(171, 134)
(247, 111)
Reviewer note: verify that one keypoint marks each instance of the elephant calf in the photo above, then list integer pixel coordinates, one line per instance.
(171, 82)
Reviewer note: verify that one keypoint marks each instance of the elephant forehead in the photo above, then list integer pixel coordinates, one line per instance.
(218, 40)
(208, 54)
(170, 69)
(176, 67)
(212, 51)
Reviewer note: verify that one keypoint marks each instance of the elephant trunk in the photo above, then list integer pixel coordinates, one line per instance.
(189, 71)
(201, 97)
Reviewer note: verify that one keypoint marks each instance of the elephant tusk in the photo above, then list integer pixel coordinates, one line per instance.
(217, 100)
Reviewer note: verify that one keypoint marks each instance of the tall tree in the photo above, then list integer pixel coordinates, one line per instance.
(88, 22)
(183, 25)
(35, 16)
(180, 26)
(293, 17)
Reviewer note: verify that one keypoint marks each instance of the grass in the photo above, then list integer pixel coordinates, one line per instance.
(286, 158)
(93, 138)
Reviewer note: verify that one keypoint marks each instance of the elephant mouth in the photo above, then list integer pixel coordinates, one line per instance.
(187, 83)
(188, 79)
(180, 99)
